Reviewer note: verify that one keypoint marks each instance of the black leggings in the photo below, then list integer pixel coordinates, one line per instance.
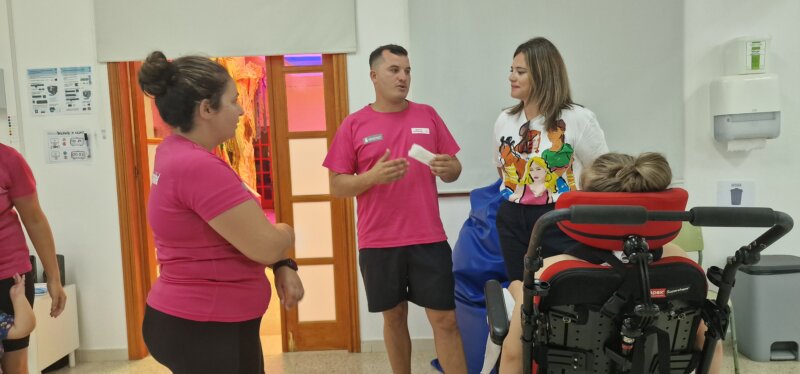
(191, 347)
(11, 345)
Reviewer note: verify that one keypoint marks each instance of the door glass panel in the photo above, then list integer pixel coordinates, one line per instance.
(302, 60)
(155, 126)
(149, 104)
(305, 101)
(312, 228)
(319, 302)
(309, 177)
(151, 155)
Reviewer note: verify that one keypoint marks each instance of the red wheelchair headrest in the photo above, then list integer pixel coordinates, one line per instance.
(610, 237)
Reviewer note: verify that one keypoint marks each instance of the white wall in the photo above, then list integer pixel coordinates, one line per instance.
(464, 49)
(709, 25)
(7, 65)
(80, 200)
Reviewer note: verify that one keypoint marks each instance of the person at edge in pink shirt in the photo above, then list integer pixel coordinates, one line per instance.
(403, 251)
(20, 202)
(204, 311)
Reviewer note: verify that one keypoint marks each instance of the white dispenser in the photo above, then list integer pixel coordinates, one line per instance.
(746, 110)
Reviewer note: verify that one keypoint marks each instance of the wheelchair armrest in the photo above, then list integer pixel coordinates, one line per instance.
(496, 313)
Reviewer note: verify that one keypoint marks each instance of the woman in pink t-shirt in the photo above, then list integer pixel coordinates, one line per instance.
(204, 312)
(20, 202)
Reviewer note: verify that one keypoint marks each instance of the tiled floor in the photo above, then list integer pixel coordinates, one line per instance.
(328, 362)
(333, 362)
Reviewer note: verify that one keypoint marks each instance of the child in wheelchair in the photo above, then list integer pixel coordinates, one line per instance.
(612, 172)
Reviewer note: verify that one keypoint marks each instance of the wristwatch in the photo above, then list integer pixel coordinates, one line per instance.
(285, 262)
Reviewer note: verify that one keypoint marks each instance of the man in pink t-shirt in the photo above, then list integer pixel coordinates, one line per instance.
(403, 250)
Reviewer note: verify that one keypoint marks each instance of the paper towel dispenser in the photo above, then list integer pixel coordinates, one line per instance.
(746, 110)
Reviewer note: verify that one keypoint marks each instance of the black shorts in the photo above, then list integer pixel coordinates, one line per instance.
(11, 345)
(192, 347)
(422, 274)
(514, 226)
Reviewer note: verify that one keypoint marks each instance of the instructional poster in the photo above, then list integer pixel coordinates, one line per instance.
(60, 90)
(77, 89)
(68, 146)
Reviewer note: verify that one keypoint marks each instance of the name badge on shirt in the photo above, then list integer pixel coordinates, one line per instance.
(373, 138)
(420, 130)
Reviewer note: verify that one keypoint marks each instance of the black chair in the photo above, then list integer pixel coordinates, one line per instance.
(34, 269)
(59, 260)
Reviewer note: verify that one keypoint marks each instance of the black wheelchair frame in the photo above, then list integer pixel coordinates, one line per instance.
(715, 313)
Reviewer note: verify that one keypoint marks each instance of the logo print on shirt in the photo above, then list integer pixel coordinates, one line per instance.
(373, 138)
(154, 178)
(420, 130)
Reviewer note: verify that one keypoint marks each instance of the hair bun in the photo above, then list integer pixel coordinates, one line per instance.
(626, 171)
(157, 74)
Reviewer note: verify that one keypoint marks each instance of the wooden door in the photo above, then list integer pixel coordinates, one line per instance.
(132, 172)
(307, 105)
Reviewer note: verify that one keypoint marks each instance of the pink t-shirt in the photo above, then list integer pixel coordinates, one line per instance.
(16, 180)
(405, 212)
(203, 277)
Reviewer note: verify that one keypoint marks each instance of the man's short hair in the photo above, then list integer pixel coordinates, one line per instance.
(392, 48)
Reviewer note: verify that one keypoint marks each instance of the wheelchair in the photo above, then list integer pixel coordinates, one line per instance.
(639, 316)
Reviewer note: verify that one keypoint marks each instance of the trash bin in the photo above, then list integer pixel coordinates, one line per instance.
(736, 196)
(766, 302)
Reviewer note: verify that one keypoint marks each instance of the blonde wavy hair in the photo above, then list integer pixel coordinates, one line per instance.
(617, 172)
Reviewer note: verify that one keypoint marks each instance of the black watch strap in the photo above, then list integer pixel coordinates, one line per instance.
(285, 262)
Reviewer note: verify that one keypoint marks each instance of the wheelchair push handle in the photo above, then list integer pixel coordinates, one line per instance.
(779, 223)
(699, 216)
(734, 217)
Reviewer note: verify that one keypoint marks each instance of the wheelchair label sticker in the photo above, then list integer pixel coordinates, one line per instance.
(677, 290)
(663, 293)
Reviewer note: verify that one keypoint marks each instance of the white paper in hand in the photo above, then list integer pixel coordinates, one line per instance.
(421, 154)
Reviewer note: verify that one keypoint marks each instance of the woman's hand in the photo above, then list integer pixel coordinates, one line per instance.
(289, 287)
(58, 295)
